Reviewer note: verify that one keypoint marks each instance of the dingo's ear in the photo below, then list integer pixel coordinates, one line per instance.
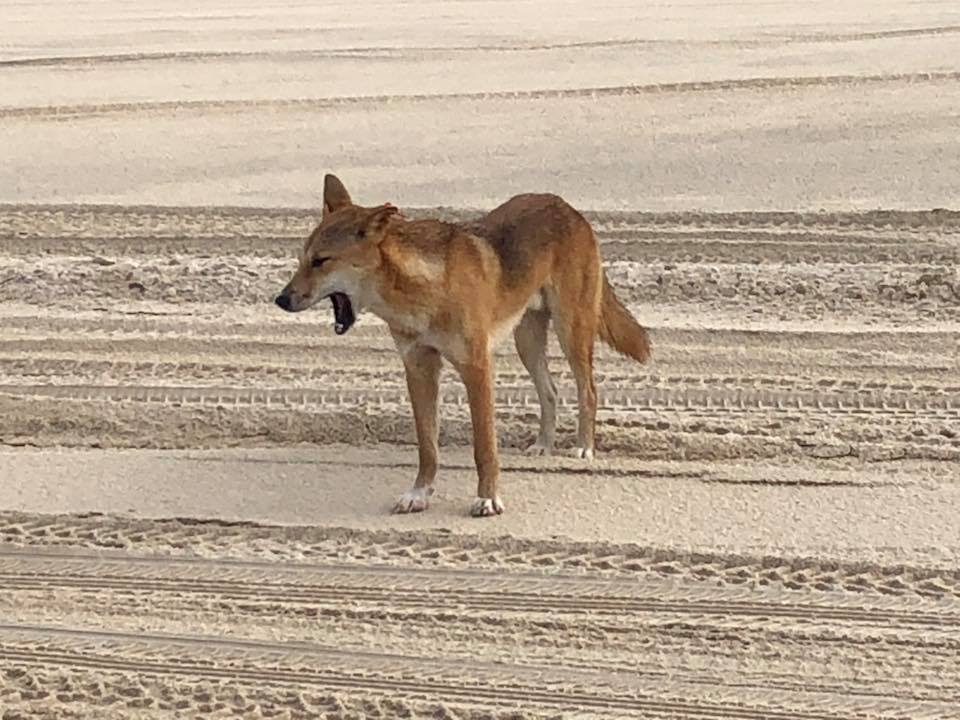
(376, 222)
(335, 195)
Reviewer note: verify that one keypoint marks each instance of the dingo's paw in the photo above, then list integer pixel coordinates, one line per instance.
(413, 500)
(486, 507)
(539, 449)
(583, 453)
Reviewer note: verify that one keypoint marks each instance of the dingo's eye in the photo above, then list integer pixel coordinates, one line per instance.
(317, 262)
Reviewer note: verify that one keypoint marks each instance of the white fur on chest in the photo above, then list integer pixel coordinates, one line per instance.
(416, 332)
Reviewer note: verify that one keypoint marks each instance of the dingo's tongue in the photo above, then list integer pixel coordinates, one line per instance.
(343, 315)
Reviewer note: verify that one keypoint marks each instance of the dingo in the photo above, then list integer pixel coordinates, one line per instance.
(453, 291)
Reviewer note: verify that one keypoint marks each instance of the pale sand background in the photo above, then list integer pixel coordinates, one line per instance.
(193, 485)
(833, 104)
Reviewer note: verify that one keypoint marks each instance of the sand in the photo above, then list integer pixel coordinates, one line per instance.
(194, 486)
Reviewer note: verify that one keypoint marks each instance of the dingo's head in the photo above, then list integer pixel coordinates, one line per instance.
(338, 257)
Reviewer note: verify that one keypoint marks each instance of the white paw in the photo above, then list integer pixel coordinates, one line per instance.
(413, 500)
(539, 449)
(486, 507)
(583, 453)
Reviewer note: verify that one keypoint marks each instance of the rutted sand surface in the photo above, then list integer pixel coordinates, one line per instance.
(194, 486)
(770, 531)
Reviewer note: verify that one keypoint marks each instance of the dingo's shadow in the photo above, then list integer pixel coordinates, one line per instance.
(507, 468)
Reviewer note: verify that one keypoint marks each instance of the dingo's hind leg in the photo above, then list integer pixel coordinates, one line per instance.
(530, 337)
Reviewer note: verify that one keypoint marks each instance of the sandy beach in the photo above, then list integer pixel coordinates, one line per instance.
(195, 487)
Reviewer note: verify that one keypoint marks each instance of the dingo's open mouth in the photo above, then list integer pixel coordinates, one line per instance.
(343, 314)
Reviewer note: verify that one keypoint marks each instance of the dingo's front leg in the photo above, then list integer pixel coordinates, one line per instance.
(422, 366)
(477, 375)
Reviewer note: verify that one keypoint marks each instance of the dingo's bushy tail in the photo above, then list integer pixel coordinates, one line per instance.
(619, 329)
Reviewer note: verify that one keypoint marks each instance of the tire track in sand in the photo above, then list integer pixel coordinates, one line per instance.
(567, 603)
(21, 570)
(459, 689)
(418, 51)
(59, 112)
(260, 547)
(715, 400)
(544, 626)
